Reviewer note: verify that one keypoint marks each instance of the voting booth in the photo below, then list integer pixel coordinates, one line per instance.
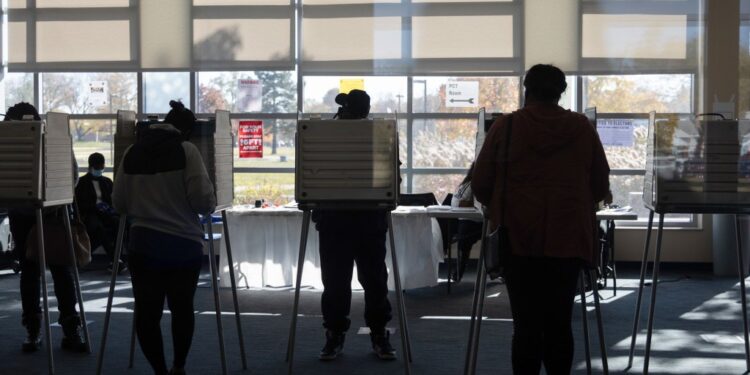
(347, 165)
(213, 138)
(694, 165)
(37, 171)
(341, 162)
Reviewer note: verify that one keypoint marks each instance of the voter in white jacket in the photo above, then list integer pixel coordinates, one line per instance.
(162, 186)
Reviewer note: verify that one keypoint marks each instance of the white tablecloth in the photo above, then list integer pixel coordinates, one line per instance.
(265, 247)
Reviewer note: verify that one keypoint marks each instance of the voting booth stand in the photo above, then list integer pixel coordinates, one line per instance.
(213, 138)
(693, 166)
(36, 172)
(347, 165)
(480, 287)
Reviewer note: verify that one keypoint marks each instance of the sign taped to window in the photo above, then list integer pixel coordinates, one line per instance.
(250, 139)
(462, 94)
(249, 95)
(616, 132)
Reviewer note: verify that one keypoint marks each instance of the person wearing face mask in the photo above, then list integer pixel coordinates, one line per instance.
(94, 200)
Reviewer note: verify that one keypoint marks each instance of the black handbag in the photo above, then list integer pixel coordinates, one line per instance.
(497, 247)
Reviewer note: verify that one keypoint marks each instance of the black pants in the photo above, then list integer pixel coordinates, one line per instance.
(541, 292)
(150, 287)
(339, 250)
(64, 281)
(163, 266)
(102, 231)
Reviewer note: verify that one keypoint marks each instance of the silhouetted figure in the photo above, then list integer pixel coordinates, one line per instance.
(348, 237)
(21, 223)
(162, 186)
(557, 171)
(94, 201)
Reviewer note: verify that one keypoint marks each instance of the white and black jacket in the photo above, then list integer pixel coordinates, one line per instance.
(163, 185)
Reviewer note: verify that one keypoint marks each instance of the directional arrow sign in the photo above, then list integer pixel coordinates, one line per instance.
(461, 94)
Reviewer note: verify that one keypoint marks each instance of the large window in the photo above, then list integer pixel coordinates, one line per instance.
(270, 62)
(628, 100)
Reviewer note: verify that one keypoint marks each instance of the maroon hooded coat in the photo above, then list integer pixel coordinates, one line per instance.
(557, 171)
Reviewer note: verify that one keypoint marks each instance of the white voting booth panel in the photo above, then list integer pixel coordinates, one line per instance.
(696, 162)
(213, 138)
(214, 141)
(124, 135)
(347, 160)
(36, 170)
(36, 161)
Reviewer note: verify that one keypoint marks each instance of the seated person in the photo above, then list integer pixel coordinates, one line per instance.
(94, 199)
(469, 232)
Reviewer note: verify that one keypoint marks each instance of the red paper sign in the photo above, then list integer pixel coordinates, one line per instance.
(251, 139)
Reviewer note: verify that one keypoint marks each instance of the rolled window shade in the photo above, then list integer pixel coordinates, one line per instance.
(263, 41)
(75, 35)
(254, 37)
(16, 4)
(351, 39)
(239, 2)
(82, 3)
(462, 37)
(82, 41)
(16, 42)
(165, 42)
(634, 36)
(659, 36)
(551, 30)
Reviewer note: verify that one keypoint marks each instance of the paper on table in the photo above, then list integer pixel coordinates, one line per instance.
(438, 208)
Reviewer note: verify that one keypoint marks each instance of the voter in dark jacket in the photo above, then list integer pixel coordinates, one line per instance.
(346, 238)
(21, 223)
(162, 185)
(94, 200)
(557, 171)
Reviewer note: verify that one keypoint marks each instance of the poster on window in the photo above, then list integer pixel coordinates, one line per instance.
(249, 95)
(250, 139)
(97, 94)
(346, 85)
(462, 94)
(615, 132)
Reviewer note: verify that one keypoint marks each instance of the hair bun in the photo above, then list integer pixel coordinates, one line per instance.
(176, 104)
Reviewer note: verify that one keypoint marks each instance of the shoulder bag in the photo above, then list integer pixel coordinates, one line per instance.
(497, 247)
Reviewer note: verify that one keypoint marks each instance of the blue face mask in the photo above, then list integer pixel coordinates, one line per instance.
(97, 172)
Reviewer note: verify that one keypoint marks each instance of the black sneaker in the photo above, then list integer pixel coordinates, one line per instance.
(121, 267)
(334, 346)
(72, 340)
(33, 339)
(381, 345)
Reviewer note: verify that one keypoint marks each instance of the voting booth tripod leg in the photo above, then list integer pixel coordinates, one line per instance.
(654, 285)
(743, 296)
(470, 362)
(215, 288)
(644, 263)
(405, 341)
(76, 279)
(131, 358)
(43, 273)
(611, 238)
(297, 285)
(599, 323)
(585, 322)
(233, 282)
(111, 295)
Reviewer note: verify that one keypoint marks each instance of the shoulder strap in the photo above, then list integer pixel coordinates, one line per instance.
(506, 153)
